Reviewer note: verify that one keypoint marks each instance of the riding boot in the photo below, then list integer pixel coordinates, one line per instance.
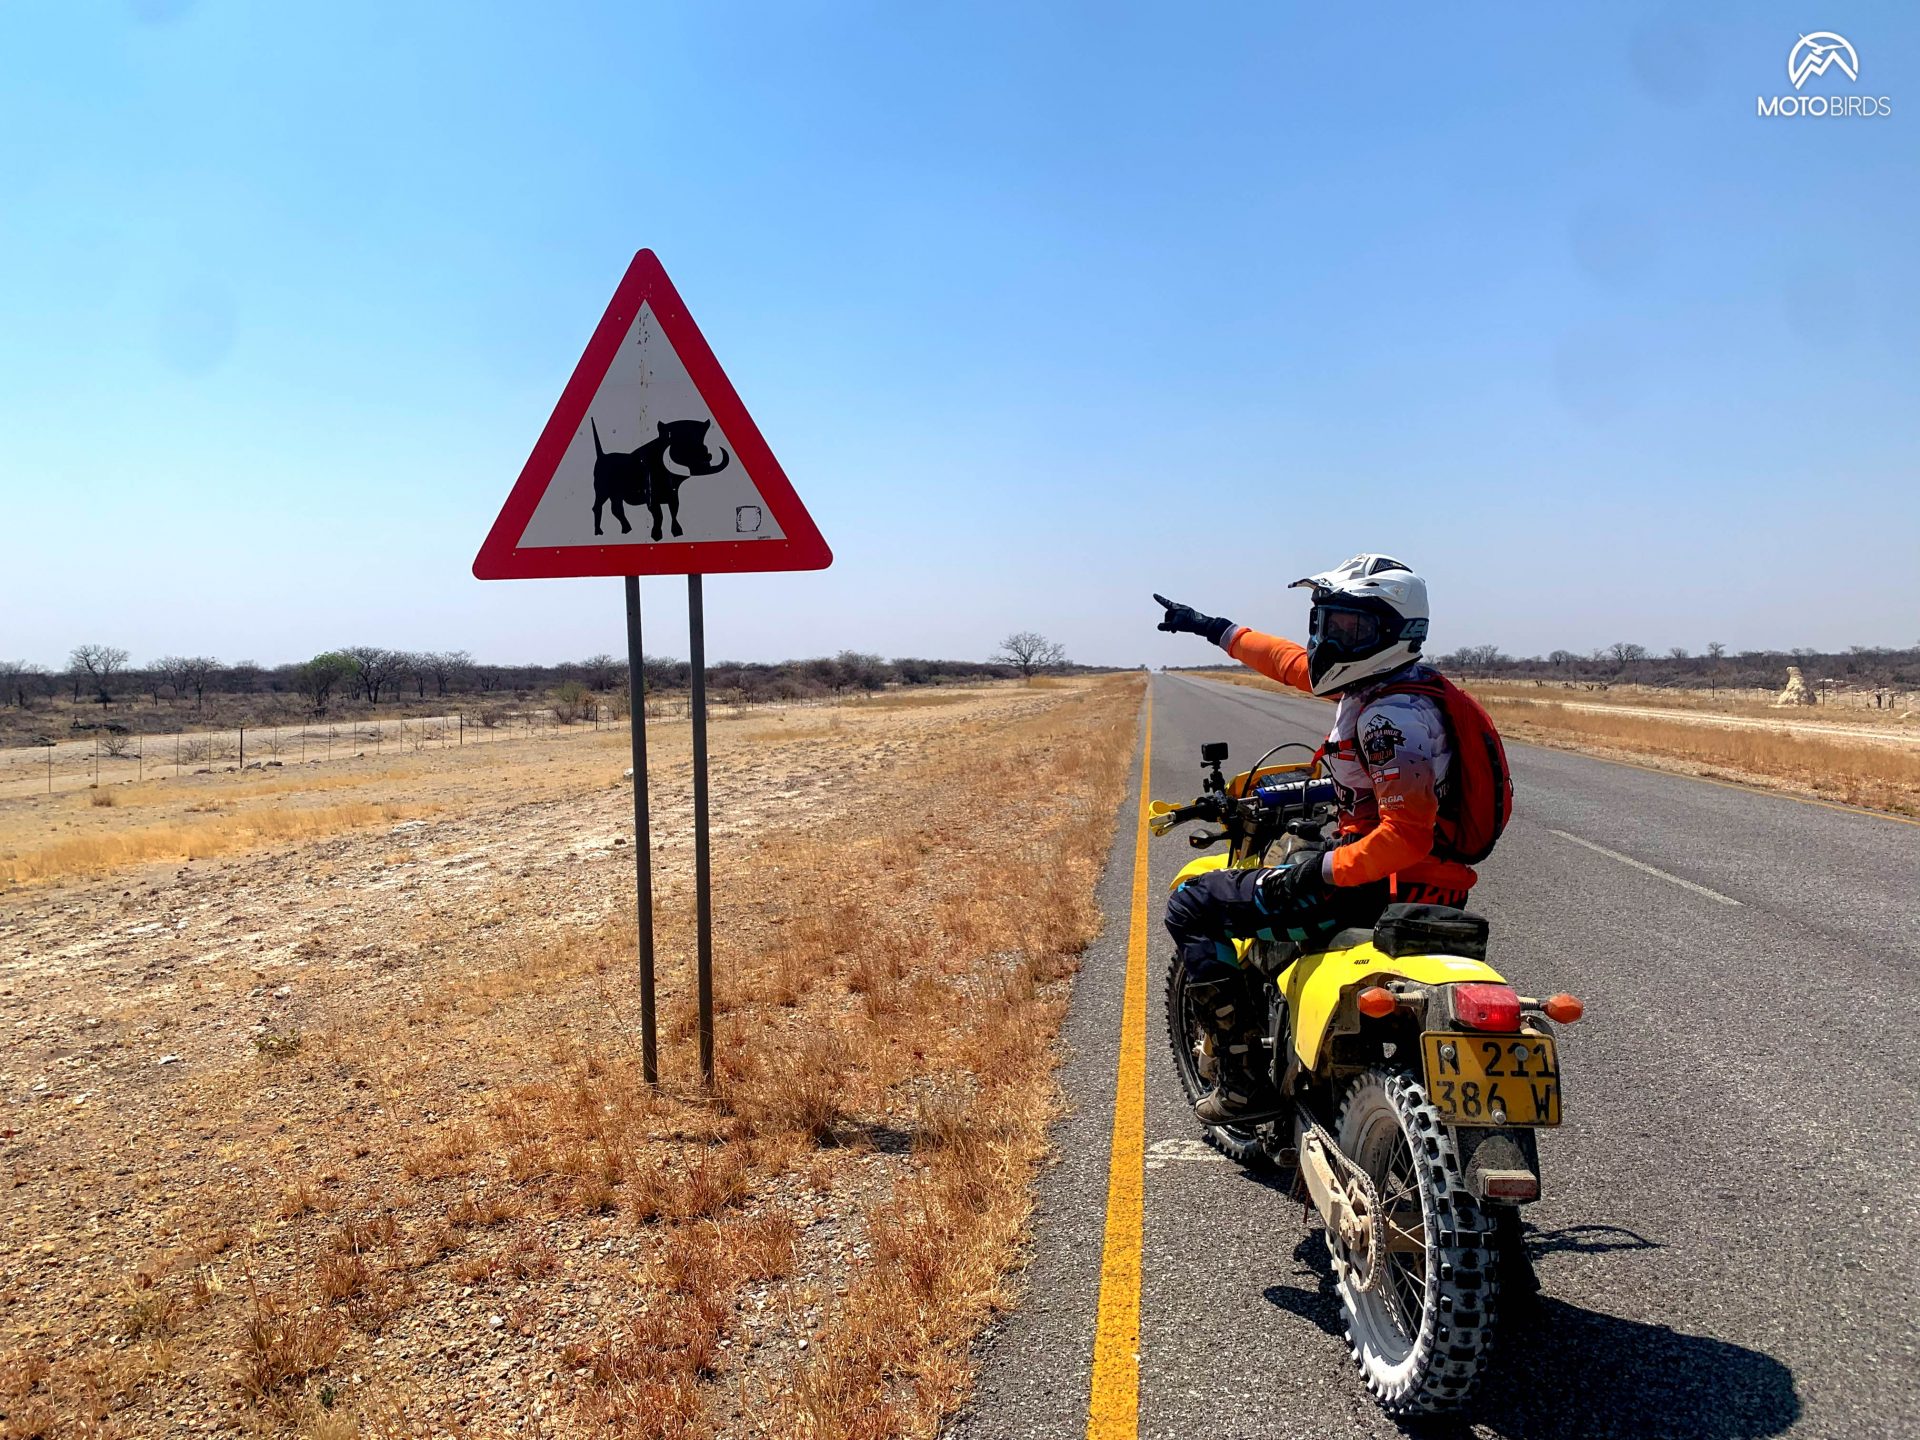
(1241, 1092)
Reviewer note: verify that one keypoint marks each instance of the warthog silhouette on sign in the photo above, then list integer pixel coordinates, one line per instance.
(644, 476)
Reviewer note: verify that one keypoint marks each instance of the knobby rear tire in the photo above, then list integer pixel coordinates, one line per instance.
(1436, 1368)
(1239, 1145)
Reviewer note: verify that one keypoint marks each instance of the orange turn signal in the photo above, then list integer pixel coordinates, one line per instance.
(1563, 1008)
(1376, 1001)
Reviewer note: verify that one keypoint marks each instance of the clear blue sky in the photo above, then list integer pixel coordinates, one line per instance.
(1042, 307)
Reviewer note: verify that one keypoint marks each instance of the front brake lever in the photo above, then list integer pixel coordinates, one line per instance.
(1203, 840)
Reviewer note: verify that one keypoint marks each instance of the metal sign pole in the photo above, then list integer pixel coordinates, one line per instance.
(702, 868)
(642, 834)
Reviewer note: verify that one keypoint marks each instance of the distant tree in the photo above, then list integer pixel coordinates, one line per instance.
(1030, 651)
(662, 672)
(242, 677)
(863, 672)
(1679, 652)
(1623, 652)
(320, 676)
(1474, 658)
(18, 680)
(374, 668)
(166, 674)
(450, 668)
(601, 671)
(572, 701)
(100, 664)
(196, 674)
(1716, 650)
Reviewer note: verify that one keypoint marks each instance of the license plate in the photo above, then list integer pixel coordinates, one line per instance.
(1492, 1079)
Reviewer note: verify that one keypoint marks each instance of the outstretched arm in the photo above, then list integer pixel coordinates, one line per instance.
(1273, 657)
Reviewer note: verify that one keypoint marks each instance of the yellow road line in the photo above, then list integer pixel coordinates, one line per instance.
(1114, 1411)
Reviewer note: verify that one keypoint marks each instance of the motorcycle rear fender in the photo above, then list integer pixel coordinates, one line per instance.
(1314, 985)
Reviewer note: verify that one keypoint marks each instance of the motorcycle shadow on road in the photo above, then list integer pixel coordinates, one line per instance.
(1564, 1370)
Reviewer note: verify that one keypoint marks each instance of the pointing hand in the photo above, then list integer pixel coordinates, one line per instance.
(1184, 619)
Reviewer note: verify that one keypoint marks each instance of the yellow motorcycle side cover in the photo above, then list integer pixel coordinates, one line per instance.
(1314, 983)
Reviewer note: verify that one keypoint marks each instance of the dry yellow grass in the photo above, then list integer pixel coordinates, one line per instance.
(1847, 709)
(1879, 776)
(477, 1152)
(192, 840)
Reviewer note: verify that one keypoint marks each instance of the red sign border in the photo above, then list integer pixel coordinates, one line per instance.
(803, 548)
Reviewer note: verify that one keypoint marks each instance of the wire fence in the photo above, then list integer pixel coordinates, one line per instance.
(109, 753)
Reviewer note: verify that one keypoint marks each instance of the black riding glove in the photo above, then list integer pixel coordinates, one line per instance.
(1296, 885)
(1184, 619)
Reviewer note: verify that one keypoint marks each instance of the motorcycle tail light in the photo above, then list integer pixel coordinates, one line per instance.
(1486, 1007)
(1563, 1008)
(1375, 1001)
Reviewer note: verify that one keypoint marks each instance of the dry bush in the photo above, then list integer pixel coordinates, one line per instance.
(717, 1180)
(807, 1094)
(148, 1309)
(102, 799)
(341, 1277)
(452, 1154)
(281, 1344)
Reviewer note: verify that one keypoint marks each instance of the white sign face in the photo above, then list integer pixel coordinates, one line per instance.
(649, 463)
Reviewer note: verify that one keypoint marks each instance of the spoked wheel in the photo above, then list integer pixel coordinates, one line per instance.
(1419, 1330)
(1194, 1060)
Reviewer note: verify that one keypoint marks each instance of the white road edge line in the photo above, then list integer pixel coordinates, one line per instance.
(1642, 865)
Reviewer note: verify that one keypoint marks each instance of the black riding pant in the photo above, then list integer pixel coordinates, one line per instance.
(1208, 913)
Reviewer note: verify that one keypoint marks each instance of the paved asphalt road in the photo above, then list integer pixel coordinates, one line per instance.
(1727, 1240)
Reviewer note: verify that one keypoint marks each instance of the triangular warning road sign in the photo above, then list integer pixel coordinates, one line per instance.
(650, 465)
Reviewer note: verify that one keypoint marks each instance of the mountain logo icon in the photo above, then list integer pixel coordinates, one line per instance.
(1819, 52)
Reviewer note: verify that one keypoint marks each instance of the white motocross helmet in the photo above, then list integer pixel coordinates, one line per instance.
(1369, 617)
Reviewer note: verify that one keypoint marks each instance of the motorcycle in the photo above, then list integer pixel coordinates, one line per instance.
(1416, 1078)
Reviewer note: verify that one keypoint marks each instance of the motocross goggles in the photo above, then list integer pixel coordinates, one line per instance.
(1350, 629)
(1347, 631)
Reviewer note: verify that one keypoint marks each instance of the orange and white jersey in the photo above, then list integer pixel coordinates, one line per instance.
(1389, 759)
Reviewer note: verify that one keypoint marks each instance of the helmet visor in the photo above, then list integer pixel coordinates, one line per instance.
(1354, 631)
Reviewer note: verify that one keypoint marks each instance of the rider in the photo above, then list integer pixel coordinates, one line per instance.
(1388, 756)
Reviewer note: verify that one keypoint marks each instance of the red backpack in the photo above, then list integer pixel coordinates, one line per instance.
(1479, 798)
